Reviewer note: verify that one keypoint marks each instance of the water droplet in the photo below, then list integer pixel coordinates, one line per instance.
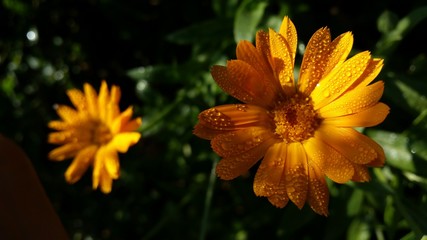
(327, 94)
(349, 111)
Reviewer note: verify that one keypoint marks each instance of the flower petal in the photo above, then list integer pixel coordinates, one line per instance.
(353, 101)
(269, 179)
(235, 165)
(80, 164)
(77, 98)
(244, 83)
(92, 99)
(296, 174)
(328, 160)
(318, 193)
(113, 109)
(350, 143)
(66, 151)
(282, 62)
(111, 162)
(340, 79)
(367, 118)
(122, 141)
(234, 117)
(67, 113)
(237, 142)
(289, 32)
(321, 56)
(361, 173)
(103, 99)
(105, 181)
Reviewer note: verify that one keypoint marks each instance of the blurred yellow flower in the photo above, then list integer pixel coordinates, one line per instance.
(93, 133)
(303, 129)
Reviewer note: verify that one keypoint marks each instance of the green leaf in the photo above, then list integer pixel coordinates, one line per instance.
(358, 230)
(387, 22)
(247, 19)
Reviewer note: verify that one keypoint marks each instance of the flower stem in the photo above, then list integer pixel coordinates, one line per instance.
(208, 200)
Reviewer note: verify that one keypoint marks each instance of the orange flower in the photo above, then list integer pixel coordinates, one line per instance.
(93, 133)
(302, 130)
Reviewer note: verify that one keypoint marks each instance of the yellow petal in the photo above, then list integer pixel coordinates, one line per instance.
(77, 98)
(111, 162)
(58, 125)
(321, 56)
(113, 109)
(231, 167)
(121, 120)
(106, 182)
(282, 62)
(98, 167)
(66, 151)
(340, 79)
(333, 164)
(67, 113)
(289, 32)
(92, 99)
(371, 71)
(80, 164)
(318, 194)
(353, 101)
(131, 125)
(269, 179)
(122, 141)
(367, 118)
(296, 174)
(350, 143)
(103, 99)
(238, 142)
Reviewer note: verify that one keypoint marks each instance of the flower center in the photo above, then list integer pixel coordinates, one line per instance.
(296, 120)
(101, 134)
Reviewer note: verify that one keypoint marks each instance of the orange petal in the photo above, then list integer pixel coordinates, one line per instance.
(77, 98)
(105, 181)
(353, 101)
(234, 117)
(282, 62)
(237, 142)
(371, 72)
(289, 32)
(113, 109)
(340, 79)
(58, 125)
(263, 46)
(296, 174)
(92, 99)
(318, 193)
(350, 143)
(67, 113)
(80, 164)
(111, 162)
(321, 56)
(334, 165)
(231, 167)
(361, 173)
(270, 180)
(98, 166)
(367, 118)
(244, 83)
(207, 133)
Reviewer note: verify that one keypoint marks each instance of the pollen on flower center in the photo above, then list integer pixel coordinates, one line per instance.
(295, 119)
(101, 134)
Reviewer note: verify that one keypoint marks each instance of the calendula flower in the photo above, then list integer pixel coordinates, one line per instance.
(93, 133)
(302, 129)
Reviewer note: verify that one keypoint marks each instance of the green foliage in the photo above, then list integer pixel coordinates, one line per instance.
(160, 54)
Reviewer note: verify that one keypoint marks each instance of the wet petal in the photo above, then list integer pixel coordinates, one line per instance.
(244, 83)
(318, 193)
(234, 117)
(366, 118)
(80, 164)
(340, 79)
(361, 173)
(296, 173)
(237, 142)
(289, 32)
(282, 62)
(328, 160)
(321, 56)
(354, 101)
(269, 179)
(350, 143)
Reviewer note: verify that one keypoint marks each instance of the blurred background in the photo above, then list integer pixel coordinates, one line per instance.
(159, 52)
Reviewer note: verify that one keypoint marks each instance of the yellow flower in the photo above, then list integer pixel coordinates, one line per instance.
(93, 133)
(302, 129)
